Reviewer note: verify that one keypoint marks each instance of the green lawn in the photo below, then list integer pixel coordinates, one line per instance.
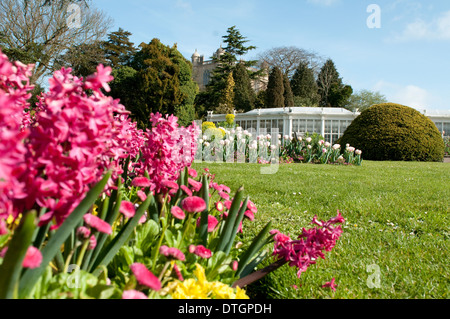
(397, 226)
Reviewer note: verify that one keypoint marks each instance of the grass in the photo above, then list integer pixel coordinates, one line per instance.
(397, 226)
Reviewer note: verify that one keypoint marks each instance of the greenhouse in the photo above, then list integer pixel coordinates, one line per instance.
(331, 123)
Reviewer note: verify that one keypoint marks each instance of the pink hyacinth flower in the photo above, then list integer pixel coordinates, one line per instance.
(177, 212)
(3, 228)
(133, 294)
(193, 204)
(145, 277)
(330, 284)
(97, 223)
(127, 209)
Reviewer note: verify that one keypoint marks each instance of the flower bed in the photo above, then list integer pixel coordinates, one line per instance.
(238, 145)
(92, 207)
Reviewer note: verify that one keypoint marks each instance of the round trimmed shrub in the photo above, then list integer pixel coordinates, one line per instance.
(394, 132)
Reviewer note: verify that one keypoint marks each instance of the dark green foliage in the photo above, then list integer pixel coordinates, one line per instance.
(332, 91)
(394, 132)
(275, 89)
(304, 86)
(159, 79)
(288, 96)
(244, 96)
(227, 61)
(119, 50)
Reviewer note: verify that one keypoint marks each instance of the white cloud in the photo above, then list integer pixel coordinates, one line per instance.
(409, 95)
(324, 3)
(436, 29)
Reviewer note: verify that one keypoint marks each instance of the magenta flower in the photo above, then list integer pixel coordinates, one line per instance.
(83, 232)
(252, 207)
(197, 186)
(177, 212)
(330, 284)
(92, 242)
(310, 246)
(178, 272)
(133, 294)
(3, 228)
(127, 209)
(224, 195)
(219, 206)
(193, 204)
(212, 223)
(97, 223)
(172, 253)
(99, 79)
(201, 251)
(145, 277)
(249, 214)
(33, 258)
(141, 182)
(142, 196)
(170, 184)
(186, 190)
(192, 172)
(234, 265)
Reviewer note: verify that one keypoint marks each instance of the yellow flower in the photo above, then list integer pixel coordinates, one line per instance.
(202, 289)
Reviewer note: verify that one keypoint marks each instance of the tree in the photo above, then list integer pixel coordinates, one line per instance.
(288, 96)
(83, 58)
(226, 60)
(363, 99)
(226, 102)
(40, 31)
(159, 79)
(304, 86)
(288, 59)
(244, 96)
(275, 89)
(119, 50)
(333, 93)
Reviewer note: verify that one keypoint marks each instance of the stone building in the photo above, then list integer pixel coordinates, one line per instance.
(202, 71)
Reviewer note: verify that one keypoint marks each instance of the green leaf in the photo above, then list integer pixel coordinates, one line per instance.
(259, 242)
(203, 231)
(237, 222)
(31, 276)
(227, 231)
(12, 263)
(113, 247)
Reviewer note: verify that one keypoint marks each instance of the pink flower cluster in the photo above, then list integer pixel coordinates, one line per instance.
(14, 92)
(310, 245)
(167, 151)
(73, 141)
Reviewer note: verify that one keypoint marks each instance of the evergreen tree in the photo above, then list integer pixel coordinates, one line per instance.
(304, 86)
(275, 89)
(159, 79)
(288, 96)
(333, 93)
(226, 103)
(119, 50)
(226, 60)
(244, 96)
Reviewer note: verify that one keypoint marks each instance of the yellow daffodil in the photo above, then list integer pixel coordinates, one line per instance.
(200, 288)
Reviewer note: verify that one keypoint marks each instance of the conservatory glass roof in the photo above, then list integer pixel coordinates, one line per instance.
(300, 110)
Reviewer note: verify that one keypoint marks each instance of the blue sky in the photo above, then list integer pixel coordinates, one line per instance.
(406, 58)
